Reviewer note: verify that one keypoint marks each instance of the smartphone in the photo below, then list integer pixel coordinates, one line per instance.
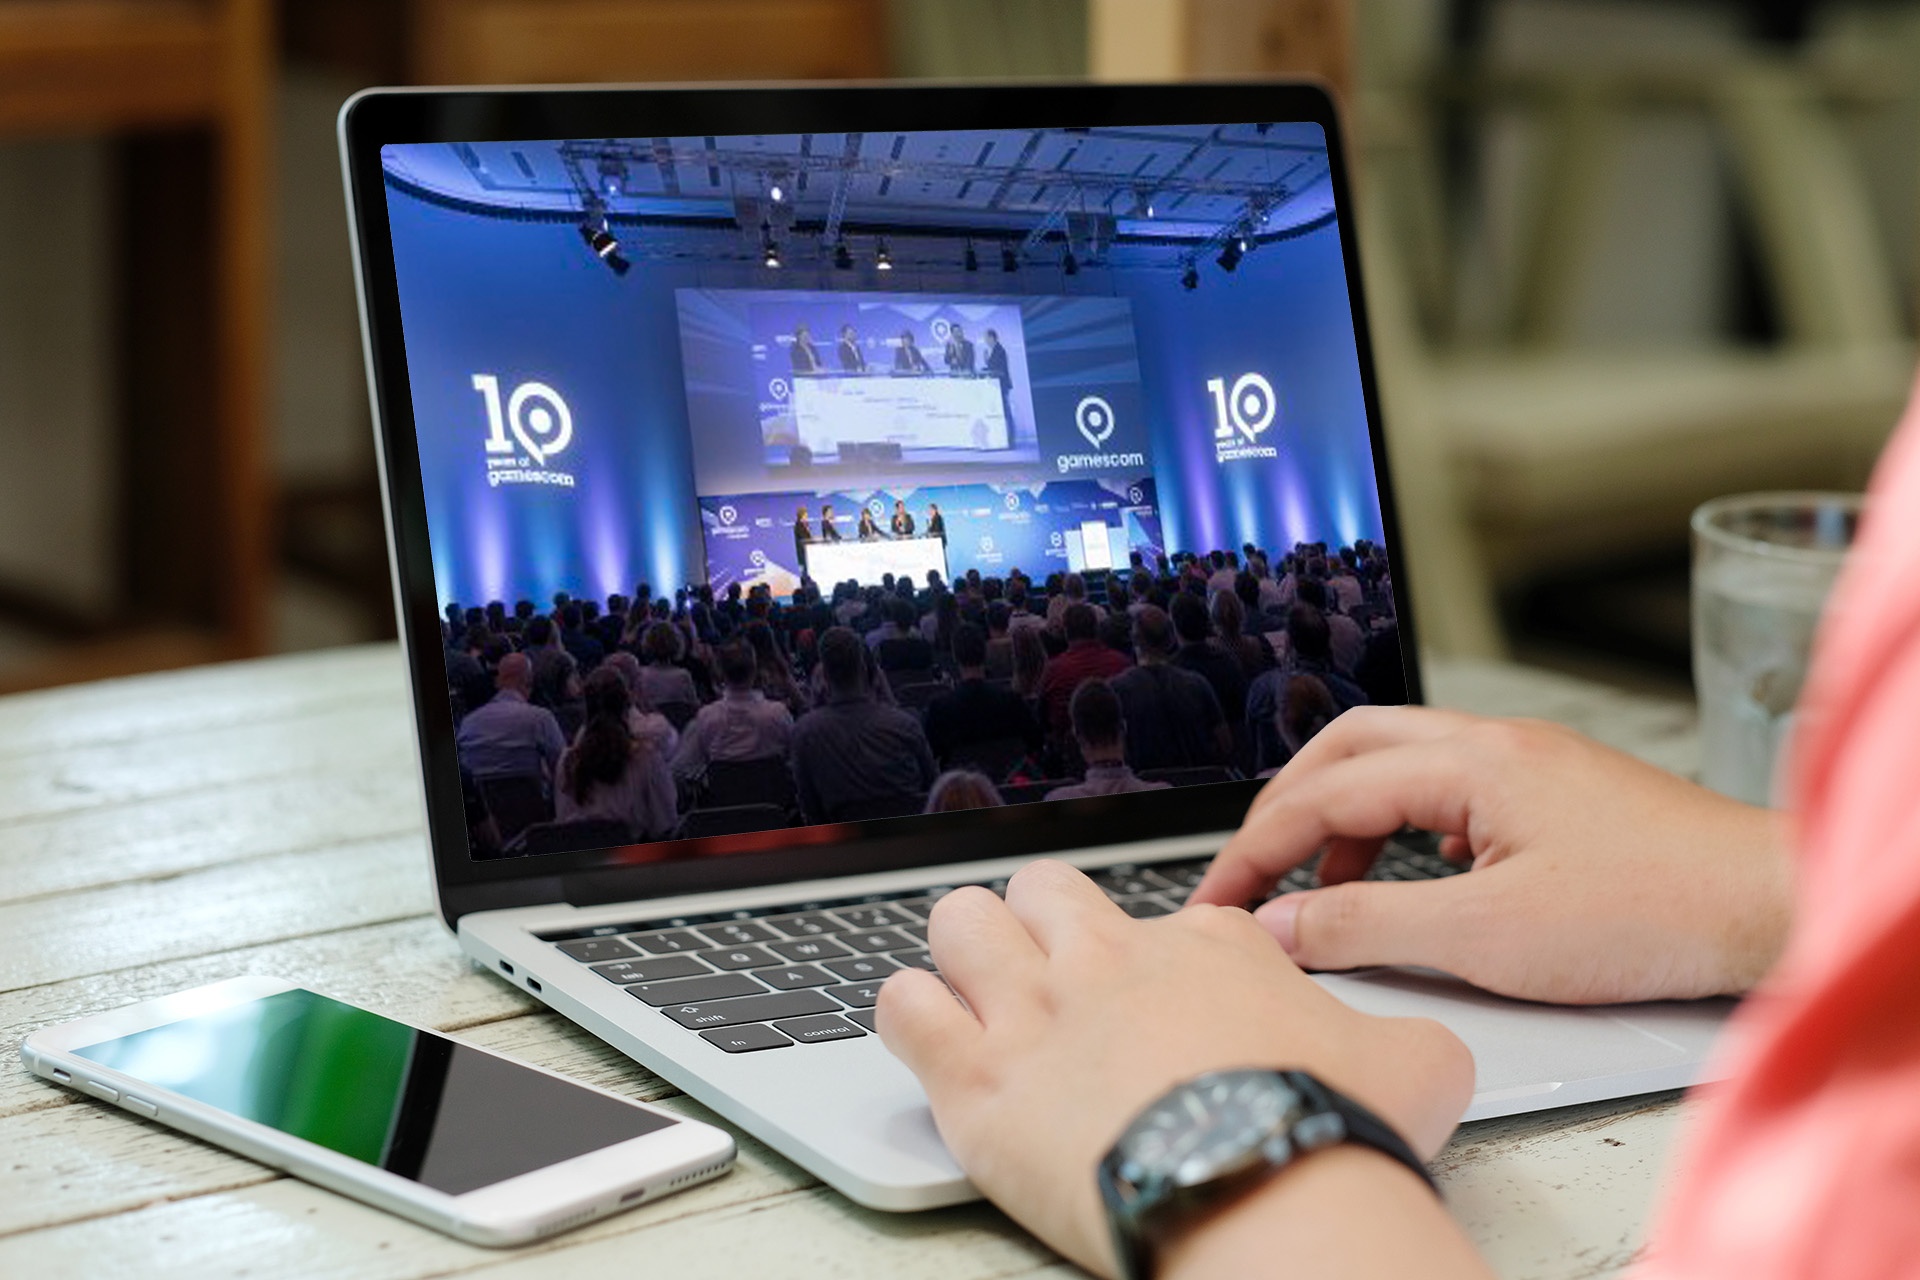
(465, 1141)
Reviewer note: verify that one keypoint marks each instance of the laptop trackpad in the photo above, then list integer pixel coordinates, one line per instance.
(1528, 1057)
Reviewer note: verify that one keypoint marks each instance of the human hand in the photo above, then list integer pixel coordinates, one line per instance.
(1596, 878)
(1077, 1016)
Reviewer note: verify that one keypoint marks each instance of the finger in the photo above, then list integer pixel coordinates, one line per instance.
(1358, 731)
(925, 1027)
(1352, 926)
(983, 951)
(1348, 859)
(1369, 796)
(1457, 849)
(1056, 902)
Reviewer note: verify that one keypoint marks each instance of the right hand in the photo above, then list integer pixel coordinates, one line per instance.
(1596, 878)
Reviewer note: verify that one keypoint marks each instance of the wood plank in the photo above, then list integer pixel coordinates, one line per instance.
(284, 896)
(208, 697)
(412, 969)
(155, 839)
(91, 66)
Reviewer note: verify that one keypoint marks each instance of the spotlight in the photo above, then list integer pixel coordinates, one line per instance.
(613, 176)
(972, 260)
(842, 256)
(1069, 264)
(1231, 253)
(1009, 258)
(882, 260)
(605, 247)
(1190, 278)
(776, 193)
(770, 254)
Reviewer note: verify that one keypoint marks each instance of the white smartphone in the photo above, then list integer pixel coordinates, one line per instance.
(459, 1139)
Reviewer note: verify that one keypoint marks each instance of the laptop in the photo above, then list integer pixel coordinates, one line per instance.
(718, 429)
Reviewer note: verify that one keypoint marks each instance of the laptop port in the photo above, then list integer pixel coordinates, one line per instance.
(506, 968)
(533, 983)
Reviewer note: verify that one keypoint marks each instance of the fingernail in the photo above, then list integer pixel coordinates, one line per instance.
(1280, 918)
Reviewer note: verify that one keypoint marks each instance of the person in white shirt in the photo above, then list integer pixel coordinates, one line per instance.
(743, 725)
(1101, 732)
(509, 735)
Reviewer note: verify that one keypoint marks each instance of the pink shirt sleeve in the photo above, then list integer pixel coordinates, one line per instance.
(1807, 1162)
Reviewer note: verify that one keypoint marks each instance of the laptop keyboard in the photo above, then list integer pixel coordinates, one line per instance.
(807, 973)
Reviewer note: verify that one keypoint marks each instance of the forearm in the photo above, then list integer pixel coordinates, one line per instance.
(1346, 1212)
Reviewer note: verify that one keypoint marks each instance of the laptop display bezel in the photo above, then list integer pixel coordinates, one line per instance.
(376, 118)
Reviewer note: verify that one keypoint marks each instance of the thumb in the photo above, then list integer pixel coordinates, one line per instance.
(1363, 923)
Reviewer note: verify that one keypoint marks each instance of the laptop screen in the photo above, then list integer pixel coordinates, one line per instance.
(777, 482)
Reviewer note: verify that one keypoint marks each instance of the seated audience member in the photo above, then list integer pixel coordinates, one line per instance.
(1199, 654)
(999, 663)
(1344, 589)
(1100, 730)
(1305, 710)
(1019, 615)
(1029, 658)
(975, 711)
(958, 789)
(772, 672)
(609, 773)
(662, 679)
(1308, 654)
(1229, 612)
(1173, 717)
(552, 664)
(899, 646)
(642, 720)
(851, 747)
(509, 735)
(1346, 642)
(1116, 632)
(1220, 572)
(1073, 590)
(577, 640)
(743, 725)
(1084, 659)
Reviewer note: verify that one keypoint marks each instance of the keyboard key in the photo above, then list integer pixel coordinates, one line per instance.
(594, 950)
(809, 949)
(737, 933)
(914, 960)
(807, 924)
(739, 957)
(718, 986)
(859, 995)
(873, 917)
(1129, 882)
(1187, 875)
(918, 908)
(815, 1030)
(918, 932)
(861, 968)
(728, 1013)
(1147, 908)
(794, 975)
(883, 940)
(864, 1017)
(746, 1039)
(668, 941)
(651, 970)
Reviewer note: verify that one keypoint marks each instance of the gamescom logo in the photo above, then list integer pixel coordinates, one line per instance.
(525, 435)
(1242, 415)
(728, 515)
(1095, 419)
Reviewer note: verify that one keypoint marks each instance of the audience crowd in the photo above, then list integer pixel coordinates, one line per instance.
(656, 716)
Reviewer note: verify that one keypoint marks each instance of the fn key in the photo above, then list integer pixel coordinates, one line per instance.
(745, 1039)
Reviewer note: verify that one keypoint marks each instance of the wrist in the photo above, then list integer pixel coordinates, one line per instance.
(1320, 1216)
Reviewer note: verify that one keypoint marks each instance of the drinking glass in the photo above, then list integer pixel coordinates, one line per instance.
(1763, 564)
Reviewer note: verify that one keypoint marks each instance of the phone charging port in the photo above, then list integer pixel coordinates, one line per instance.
(633, 1195)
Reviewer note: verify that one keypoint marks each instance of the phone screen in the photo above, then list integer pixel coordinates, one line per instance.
(410, 1102)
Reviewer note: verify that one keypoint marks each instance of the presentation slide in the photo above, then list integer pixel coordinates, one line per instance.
(799, 390)
(870, 562)
(911, 413)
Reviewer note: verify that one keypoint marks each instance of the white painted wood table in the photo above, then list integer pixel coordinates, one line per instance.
(165, 831)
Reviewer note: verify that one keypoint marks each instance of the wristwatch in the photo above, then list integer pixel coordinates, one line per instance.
(1206, 1141)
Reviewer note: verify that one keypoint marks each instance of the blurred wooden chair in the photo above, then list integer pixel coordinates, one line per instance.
(185, 88)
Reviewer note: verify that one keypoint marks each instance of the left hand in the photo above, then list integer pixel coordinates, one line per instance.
(1077, 1016)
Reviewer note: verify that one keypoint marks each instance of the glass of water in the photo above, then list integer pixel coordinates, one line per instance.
(1763, 564)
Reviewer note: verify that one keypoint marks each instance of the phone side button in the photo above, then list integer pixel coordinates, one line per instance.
(140, 1107)
(98, 1090)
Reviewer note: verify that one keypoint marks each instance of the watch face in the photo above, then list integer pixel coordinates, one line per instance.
(1211, 1127)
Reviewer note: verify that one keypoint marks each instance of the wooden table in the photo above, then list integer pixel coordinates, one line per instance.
(263, 817)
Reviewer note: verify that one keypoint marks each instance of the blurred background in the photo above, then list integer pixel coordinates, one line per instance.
(1621, 256)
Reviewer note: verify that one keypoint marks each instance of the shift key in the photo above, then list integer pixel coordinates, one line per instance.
(716, 986)
(727, 1013)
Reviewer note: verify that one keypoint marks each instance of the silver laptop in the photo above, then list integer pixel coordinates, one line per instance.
(806, 500)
